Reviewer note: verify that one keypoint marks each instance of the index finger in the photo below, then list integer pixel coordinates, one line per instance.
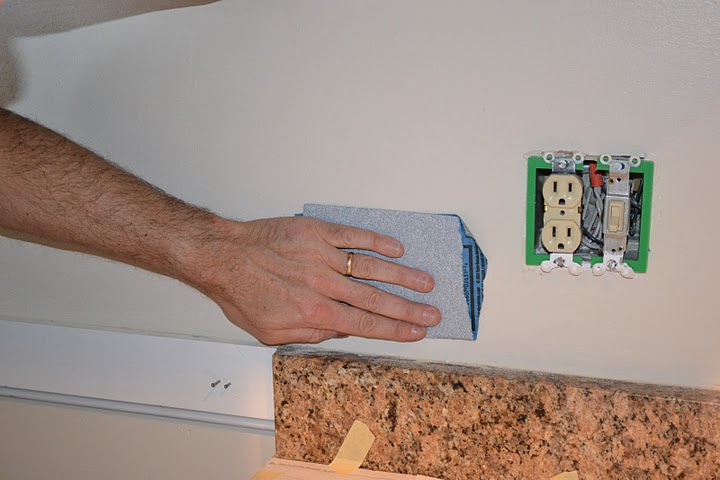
(343, 236)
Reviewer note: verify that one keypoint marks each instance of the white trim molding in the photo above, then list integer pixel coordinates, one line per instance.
(170, 377)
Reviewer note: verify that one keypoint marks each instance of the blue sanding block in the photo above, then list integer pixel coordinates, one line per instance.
(435, 243)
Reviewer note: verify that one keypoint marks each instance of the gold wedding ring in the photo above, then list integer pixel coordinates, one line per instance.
(348, 269)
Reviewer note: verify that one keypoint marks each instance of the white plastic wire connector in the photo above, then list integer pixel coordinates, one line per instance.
(561, 260)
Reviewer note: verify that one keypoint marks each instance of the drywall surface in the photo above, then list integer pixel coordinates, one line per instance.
(51, 441)
(254, 108)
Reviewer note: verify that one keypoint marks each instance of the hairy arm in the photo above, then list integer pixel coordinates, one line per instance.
(54, 189)
(279, 279)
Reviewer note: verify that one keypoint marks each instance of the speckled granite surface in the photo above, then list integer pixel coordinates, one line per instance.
(456, 422)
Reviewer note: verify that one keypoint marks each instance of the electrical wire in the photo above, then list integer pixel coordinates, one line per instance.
(593, 209)
(591, 237)
(635, 210)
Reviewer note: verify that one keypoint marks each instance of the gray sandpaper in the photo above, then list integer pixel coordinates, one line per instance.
(433, 243)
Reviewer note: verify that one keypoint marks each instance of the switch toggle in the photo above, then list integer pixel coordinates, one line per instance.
(616, 219)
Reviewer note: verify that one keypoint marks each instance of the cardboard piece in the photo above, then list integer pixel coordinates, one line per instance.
(266, 475)
(295, 470)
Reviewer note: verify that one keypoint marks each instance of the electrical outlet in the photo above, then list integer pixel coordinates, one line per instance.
(562, 194)
(589, 212)
(562, 191)
(561, 236)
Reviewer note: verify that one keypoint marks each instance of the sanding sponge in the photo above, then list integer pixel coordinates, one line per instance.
(438, 244)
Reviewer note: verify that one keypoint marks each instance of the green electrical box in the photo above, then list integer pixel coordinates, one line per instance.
(589, 210)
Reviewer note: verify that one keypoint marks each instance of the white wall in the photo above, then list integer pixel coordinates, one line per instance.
(254, 108)
(51, 441)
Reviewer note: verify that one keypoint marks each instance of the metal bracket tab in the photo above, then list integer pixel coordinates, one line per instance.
(561, 260)
(563, 161)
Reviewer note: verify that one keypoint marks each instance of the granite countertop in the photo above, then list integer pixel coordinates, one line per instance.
(459, 422)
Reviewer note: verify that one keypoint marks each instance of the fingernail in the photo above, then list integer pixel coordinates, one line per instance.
(397, 246)
(417, 332)
(423, 282)
(430, 316)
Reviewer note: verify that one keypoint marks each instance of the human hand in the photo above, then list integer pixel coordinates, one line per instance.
(283, 281)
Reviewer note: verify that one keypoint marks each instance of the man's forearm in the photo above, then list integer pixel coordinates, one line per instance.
(55, 189)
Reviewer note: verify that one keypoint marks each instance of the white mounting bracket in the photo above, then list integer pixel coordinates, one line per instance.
(561, 260)
(613, 263)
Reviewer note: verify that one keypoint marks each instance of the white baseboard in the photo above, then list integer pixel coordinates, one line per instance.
(137, 373)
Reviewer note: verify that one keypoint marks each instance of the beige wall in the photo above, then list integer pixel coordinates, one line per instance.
(39, 441)
(254, 108)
